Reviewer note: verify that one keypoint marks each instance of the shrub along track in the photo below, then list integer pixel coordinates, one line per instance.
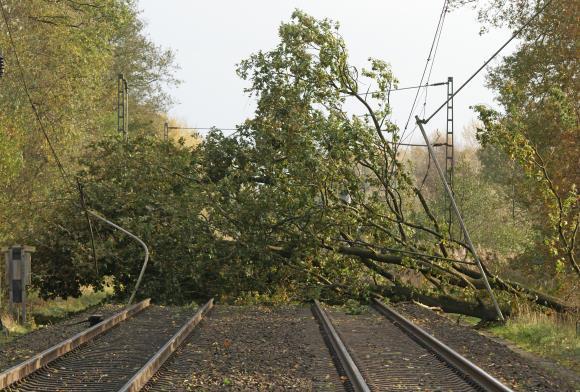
(108, 361)
(23, 347)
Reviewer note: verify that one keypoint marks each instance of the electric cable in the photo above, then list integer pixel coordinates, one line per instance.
(397, 89)
(514, 35)
(61, 168)
(203, 128)
(437, 32)
(430, 61)
(433, 62)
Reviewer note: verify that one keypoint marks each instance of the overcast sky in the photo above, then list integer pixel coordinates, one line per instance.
(211, 37)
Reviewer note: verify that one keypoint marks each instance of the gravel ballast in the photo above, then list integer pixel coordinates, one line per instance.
(519, 372)
(26, 346)
(252, 349)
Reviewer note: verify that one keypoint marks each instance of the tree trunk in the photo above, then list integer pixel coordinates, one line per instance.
(447, 303)
(474, 277)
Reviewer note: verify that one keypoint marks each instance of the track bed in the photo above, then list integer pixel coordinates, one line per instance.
(108, 361)
(252, 349)
(389, 359)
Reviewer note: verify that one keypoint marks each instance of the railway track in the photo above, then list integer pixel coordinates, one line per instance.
(118, 354)
(250, 349)
(382, 351)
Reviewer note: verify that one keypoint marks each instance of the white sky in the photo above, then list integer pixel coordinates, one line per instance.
(211, 37)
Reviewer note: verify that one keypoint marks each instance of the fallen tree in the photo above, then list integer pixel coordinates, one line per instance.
(304, 177)
(304, 195)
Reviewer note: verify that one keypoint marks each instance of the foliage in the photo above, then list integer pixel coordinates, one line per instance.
(44, 312)
(305, 200)
(59, 309)
(561, 205)
(537, 135)
(134, 185)
(354, 307)
(70, 53)
(496, 221)
(305, 184)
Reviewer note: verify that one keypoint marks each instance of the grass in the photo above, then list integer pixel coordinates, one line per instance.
(60, 308)
(551, 336)
(49, 311)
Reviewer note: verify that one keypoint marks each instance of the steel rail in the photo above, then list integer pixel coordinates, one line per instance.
(143, 375)
(18, 372)
(477, 375)
(353, 373)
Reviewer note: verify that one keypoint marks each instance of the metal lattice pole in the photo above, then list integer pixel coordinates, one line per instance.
(459, 218)
(449, 158)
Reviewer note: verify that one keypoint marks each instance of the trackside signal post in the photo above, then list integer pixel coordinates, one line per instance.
(1, 64)
(18, 273)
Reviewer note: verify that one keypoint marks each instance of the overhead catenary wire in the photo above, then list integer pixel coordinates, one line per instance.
(421, 122)
(433, 62)
(430, 61)
(490, 59)
(61, 168)
(139, 240)
(397, 89)
(235, 132)
(203, 128)
(471, 247)
(429, 58)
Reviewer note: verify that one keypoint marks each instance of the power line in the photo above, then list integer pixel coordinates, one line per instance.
(203, 128)
(51, 146)
(417, 145)
(514, 35)
(399, 89)
(433, 61)
(437, 33)
(430, 59)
